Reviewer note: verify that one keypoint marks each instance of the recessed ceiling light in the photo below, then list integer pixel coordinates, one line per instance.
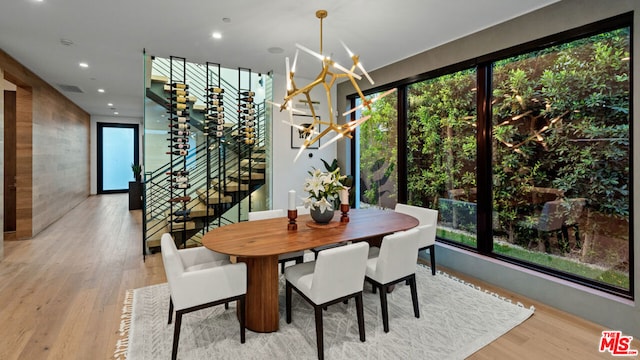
(100, 90)
(66, 42)
(275, 50)
(110, 104)
(84, 65)
(115, 113)
(216, 35)
(226, 19)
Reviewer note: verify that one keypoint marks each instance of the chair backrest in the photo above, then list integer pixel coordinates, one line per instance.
(398, 256)
(266, 214)
(173, 266)
(553, 216)
(339, 272)
(576, 206)
(427, 221)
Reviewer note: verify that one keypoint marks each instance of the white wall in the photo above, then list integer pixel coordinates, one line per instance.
(288, 175)
(94, 143)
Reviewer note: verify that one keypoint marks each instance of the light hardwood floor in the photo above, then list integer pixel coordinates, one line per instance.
(61, 293)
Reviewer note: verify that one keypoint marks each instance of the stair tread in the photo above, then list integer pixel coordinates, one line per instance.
(214, 197)
(244, 176)
(159, 78)
(256, 165)
(231, 186)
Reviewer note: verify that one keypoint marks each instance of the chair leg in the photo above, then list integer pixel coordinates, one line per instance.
(242, 319)
(385, 309)
(319, 332)
(176, 335)
(432, 255)
(282, 267)
(288, 302)
(170, 310)
(360, 314)
(226, 306)
(414, 295)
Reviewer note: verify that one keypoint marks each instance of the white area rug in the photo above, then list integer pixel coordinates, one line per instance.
(456, 319)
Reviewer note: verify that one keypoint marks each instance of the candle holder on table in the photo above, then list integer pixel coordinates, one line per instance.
(292, 215)
(345, 213)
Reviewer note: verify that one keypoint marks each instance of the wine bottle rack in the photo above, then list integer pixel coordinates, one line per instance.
(179, 132)
(214, 130)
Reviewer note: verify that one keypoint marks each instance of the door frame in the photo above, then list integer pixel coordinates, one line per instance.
(136, 151)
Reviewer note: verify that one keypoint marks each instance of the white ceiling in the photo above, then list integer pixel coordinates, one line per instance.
(110, 36)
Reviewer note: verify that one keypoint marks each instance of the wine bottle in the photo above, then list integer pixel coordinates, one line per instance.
(214, 116)
(178, 106)
(179, 99)
(180, 119)
(247, 99)
(180, 132)
(249, 123)
(247, 117)
(216, 90)
(179, 139)
(178, 173)
(248, 135)
(247, 105)
(247, 93)
(178, 85)
(179, 179)
(178, 152)
(181, 186)
(249, 129)
(179, 112)
(247, 111)
(179, 93)
(181, 126)
(216, 108)
(215, 102)
(180, 146)
(249, 141)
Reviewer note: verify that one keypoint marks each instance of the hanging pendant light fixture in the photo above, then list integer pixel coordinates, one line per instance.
(330, 72)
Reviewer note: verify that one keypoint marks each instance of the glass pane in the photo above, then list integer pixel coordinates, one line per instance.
(561, 157)
(378, 148)
(117, 157)
(441, 163)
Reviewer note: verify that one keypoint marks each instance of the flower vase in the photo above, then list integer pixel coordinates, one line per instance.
(321, 217)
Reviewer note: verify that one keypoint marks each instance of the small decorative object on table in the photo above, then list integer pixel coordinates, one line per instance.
(292, 212)
(323, 189)
(344, 205)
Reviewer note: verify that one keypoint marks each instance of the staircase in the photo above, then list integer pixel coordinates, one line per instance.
(222, 172)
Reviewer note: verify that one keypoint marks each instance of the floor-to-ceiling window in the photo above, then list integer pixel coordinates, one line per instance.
(441, 151)
(378, 149)
(561, 157)
(117, 151)
(525, 153)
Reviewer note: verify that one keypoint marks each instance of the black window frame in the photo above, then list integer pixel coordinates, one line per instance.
(483, 65)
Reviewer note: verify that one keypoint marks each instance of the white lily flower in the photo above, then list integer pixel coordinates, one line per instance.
(324, 205)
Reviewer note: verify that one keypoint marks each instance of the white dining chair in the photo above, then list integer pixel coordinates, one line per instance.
(297, 256)
(336, 276)
(393, 262)
(428, 220)
(199, 278)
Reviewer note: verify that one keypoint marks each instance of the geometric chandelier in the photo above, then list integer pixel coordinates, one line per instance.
(330, 72)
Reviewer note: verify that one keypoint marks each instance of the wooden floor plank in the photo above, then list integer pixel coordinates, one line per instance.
(61, 293)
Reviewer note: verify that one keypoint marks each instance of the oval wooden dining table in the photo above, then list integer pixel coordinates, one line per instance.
(258, 244)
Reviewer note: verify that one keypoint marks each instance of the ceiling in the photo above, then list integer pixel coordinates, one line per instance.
(110, 37)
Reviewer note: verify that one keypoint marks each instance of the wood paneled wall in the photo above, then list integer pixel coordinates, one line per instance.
(2, 157)
(53, 142)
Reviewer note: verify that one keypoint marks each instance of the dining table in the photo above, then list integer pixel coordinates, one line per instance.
(258, 244)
